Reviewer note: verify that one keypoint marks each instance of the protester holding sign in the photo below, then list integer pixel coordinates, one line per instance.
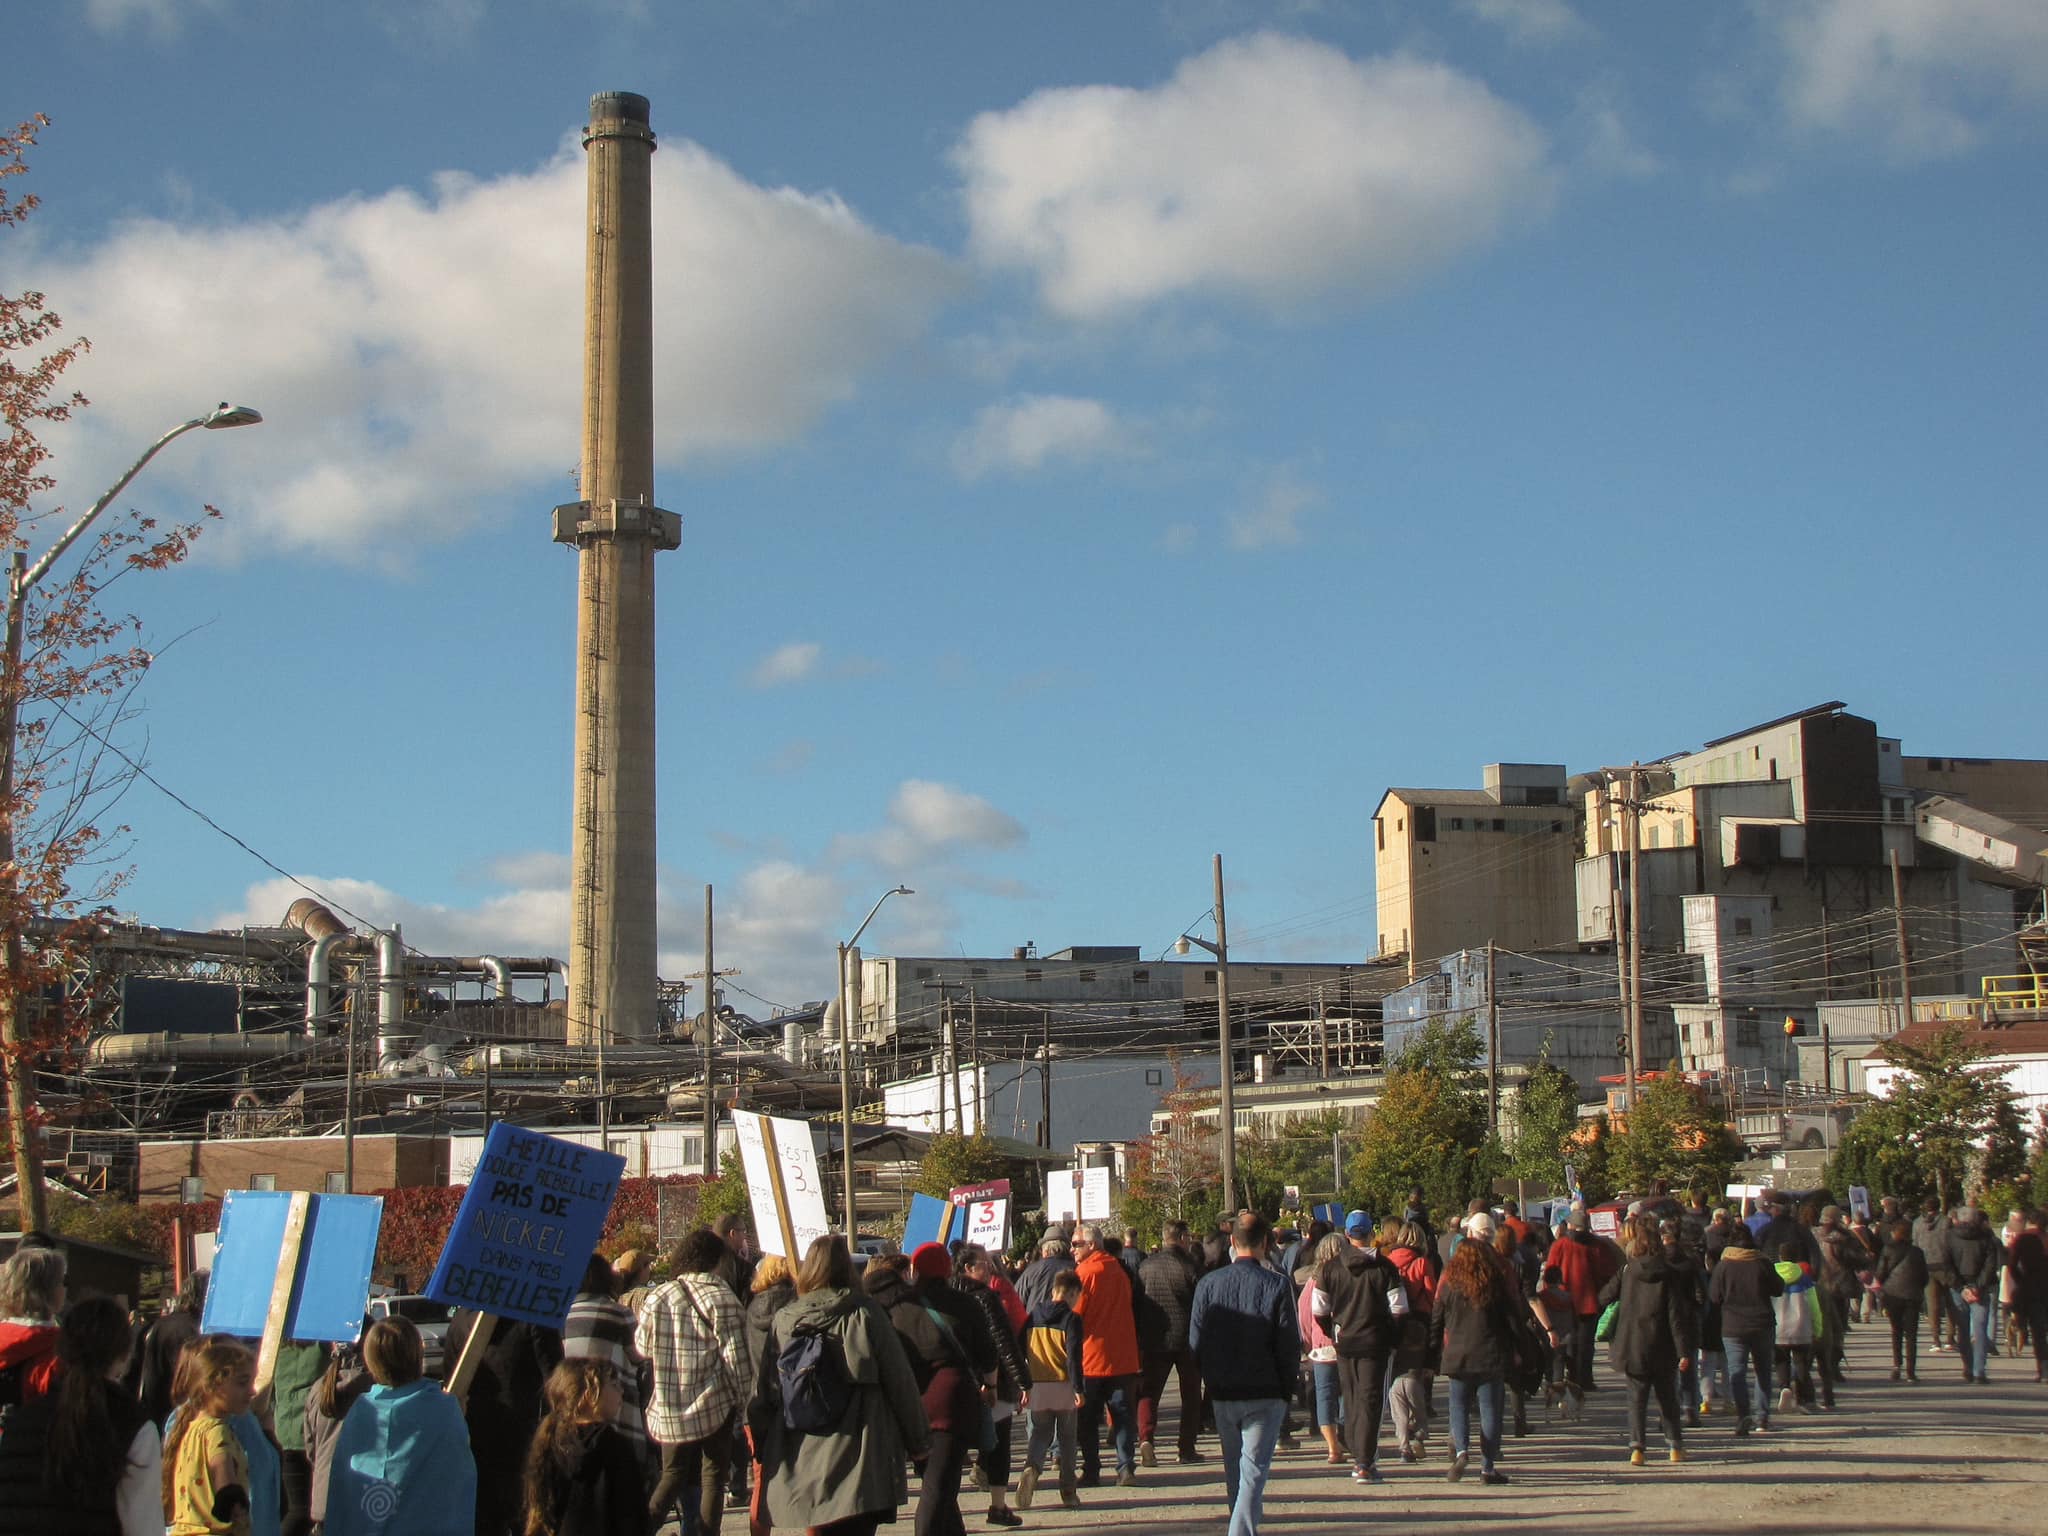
(693, 1333)
(836, 1474)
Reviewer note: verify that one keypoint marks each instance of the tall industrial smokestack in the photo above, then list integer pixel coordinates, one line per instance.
(617, 529)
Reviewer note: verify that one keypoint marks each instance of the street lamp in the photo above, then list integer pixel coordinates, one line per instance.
(21, 580)
(846, 1064)
(1226, 1112)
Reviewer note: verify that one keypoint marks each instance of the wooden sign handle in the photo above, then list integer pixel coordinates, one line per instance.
(781, 1195)
(473, 1346)
(288, 1260)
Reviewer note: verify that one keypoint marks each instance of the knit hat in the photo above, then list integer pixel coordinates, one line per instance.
(930, 1261)
(1358, 1224)
(1479, 1226)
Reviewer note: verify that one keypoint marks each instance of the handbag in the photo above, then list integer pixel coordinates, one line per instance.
(1604, 1329)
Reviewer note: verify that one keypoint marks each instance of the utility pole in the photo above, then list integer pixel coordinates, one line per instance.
(1614, 851)
(1323, 1031)
(1492, 1042)
(348, 1105)
(1635, 932)
(710, 1029)
(973, 1059)
(1899, 923)
(1045, 1080)
(1226, 1107)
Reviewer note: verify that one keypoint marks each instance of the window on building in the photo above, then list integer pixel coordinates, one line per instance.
(978, 971)
(1747, 1031)
(191, 1190)
(1155, 1077)
(1209, 980)
(1141, 978)
(1087, 975)
(1425, 823)
(924, 973)
(1276, 977)
(1500, 823)
(1557, 826)
(1744, 972)
(263, 1181)
(1034, 975)
(1379, 834)
(336, 1184)
(1454, 824)
(1685, 1033)
(1707, 1029)
(1744, 926)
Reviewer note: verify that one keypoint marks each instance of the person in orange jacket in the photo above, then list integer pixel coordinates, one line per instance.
(1109, 1359)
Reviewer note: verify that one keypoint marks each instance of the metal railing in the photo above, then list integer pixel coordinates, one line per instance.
(2027, 991)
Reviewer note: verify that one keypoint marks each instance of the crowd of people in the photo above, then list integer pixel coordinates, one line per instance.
(835, 1395)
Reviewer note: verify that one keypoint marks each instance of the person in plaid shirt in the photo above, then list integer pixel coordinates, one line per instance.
(693, 1333)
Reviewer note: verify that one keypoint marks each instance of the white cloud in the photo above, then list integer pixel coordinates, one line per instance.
(417, 357)
(929, 823)
(785, 664)
(1029, 431)
(163, 17)
(1607, 146)
(1273, 520)
(1917, 78)
(1268, 167)
(1531, 21)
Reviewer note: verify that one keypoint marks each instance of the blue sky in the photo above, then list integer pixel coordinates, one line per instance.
(1105, 435)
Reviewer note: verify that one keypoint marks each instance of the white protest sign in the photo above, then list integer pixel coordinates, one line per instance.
(1077, 1194)
(1859, 1201)
(783, 1183)
(988, 1223)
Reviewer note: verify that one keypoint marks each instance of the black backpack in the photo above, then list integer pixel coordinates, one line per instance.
(815, 1388)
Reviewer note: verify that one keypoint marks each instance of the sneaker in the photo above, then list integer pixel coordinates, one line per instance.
(1913, 1377)
(1745, 1426)
(1677, 1454)
(1457, 1468)
(1147, 1456)
(1127, 1479)
(1493, 1477)
(1786, 1398)
(1763, 1424)
(1367, 1475)
(1635, 1457)
(1069, 1499)
(1289, 1443)
(1027, 1487)
(1003, 1517)
(1895, 1373)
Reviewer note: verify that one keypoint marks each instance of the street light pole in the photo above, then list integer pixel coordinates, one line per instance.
(1226, 1106)
(21, 580)
(846, 1065)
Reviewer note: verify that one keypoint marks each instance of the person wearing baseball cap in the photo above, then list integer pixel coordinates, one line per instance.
(1353, 1296)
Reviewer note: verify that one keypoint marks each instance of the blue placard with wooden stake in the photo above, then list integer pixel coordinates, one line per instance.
(931, 1220)
(291, 1266)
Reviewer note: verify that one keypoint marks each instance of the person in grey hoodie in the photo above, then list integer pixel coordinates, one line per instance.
(1902, 1277)
(848, 1479)
(1930, 1236)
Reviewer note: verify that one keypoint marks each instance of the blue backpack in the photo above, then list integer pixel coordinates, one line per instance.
(815, 1389)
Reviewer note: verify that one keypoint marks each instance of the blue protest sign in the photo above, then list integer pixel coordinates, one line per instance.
(332, 1280)
(1333, 1214)
(528, 1224)
(931, 1220)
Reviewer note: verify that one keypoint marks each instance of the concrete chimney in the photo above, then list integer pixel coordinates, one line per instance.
(617, 530)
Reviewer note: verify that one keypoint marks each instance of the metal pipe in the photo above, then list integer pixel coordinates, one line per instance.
(390, 992)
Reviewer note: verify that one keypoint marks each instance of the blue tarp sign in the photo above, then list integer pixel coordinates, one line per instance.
(527, 1226)
(931, 1220)
(1333, 1214)
(333, 1280)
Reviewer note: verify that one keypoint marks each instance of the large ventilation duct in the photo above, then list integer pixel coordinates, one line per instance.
(390, 993)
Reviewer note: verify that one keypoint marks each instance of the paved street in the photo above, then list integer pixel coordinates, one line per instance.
(1931, 1459)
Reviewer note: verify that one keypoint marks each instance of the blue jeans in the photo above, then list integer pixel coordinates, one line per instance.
(1740, 1358)
(1119, 1394)
(1249, 1429)
(1977, 1337)
(1490, 1394)
(1329, 1395)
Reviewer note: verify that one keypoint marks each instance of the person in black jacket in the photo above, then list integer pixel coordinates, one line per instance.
(1973, 1257)
(1010, 1380)
(1352, 1295)
(1243, 1331)
(583, 1477)
(82, 1459)
(1902, 1277)
(1167, 1291)
(503, 1411)
(1475, 1322)
(1655, 1332)
(1744, 1286)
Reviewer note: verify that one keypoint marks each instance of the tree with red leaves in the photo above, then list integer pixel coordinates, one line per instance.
(68, 680)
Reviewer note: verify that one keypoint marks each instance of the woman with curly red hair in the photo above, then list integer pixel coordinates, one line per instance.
(1474, 1325)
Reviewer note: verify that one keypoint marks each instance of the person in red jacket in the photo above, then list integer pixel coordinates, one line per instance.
(1109, 1359)
(1584, 1264)
(31, 1297)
